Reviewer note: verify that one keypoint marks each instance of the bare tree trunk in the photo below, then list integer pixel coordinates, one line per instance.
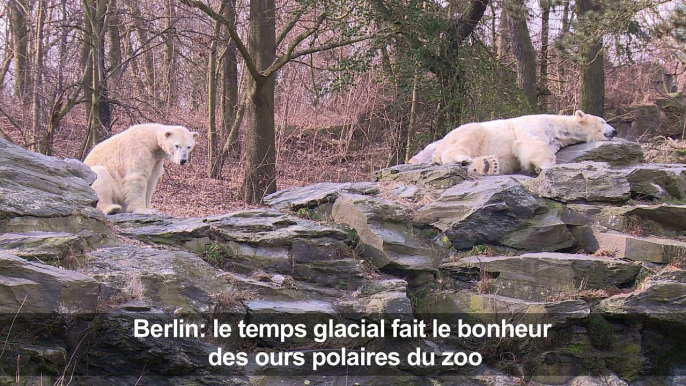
(409, 148)
(494, 28)
(230, 83)
(229, 99)
(592, 66)
(545, 31)
(565, 16)
(98, 124)
(86, 64)
(104, 103)
(170, 53)
(45, 146)
(115, 42)
(469, 19)
(20, 43)
(38, 67)
(565, 30)
(503, 36)
(148, 61)
(5, 67)
(64, 34)
(313, 79)
(213, 151)
(260, 147)
(524, 51)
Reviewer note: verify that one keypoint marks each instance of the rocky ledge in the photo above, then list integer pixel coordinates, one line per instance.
(594, 247)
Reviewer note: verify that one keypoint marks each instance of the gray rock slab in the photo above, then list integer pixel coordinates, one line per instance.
(651, 181)
(427, 176)
(277, 243)
(617, 152)
(495, 210)
(33, 184)
(43, 246)
(384, 231)
(486, 308)
(36, 288)
(669, 216)
(651, 249)
(539, 276)
(314, 195)
(582, 182)
(192, 234)
(661, 297)
(170, 280)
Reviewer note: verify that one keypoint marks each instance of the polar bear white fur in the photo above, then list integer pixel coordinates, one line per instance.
(524, 144)
(130, 164)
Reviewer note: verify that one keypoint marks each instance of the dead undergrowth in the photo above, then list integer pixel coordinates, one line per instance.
(664, 150)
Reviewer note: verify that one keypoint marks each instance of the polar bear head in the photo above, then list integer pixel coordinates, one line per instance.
(178, 143)
(595, 128)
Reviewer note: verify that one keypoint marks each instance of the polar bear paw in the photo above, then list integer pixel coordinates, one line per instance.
(486, 166)
(455, 158)
(112, 209)
(145, 211)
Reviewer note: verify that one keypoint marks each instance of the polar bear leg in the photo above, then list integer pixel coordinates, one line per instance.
(490, 165)
(104, 186)
(455, 155)
(534, 155)
(134, 188)
(155, 176)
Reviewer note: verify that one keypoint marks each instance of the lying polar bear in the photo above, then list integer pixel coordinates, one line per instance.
(525, 144)
(130, 164)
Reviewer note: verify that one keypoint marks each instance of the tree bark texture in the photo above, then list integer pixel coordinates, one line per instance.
(213, 151)
(20, 44)
(260, 147)
(523, 50)
(114, 36)
(593, 65)
(229, 96)
(545, 39)
(38, 68)
(170, 53)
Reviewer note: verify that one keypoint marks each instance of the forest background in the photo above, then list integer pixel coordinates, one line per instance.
(291, 92)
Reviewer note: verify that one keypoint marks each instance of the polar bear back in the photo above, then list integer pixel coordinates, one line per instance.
(476, 139)
(519, 144)
(131, 149)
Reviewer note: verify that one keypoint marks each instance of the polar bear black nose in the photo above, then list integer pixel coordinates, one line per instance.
(183, 162)
(610, 133)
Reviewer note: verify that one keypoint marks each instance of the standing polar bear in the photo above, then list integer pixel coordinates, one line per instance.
(524, 144)
(130, 164)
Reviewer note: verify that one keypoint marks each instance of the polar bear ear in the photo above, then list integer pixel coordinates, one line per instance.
(167, 134)
(579, 115)
(195, 134)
